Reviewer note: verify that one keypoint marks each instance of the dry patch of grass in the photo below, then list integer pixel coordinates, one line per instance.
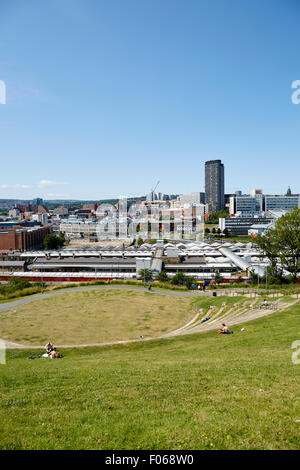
(88, 317)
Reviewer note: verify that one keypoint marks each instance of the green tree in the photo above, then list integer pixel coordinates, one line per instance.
(214, 217)
(52, 242)
(281, 245)
(61, 239)
(188, 281)
(139, 241)
(179, 278)
(145, 274)
(218, 277)
(268, 248)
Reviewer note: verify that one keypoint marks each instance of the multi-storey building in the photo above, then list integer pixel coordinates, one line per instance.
(286, 203)
(256, 203)
(249, 204)
(214, 185)
(241, 225)
(23, 238)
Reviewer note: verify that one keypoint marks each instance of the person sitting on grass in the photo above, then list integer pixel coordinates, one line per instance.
(224, 330)
(49, 347)
(266, 303)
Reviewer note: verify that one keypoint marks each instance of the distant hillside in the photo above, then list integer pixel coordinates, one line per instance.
(76, 203)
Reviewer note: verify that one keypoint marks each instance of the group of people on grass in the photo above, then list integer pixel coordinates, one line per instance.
(198, 287)
(51, 351)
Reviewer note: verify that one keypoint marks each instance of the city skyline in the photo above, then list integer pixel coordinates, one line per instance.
(134, 196)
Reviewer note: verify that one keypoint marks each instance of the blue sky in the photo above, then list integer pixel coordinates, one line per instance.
(105, 98)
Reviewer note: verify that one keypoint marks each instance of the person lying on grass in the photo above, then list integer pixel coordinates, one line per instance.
(54, 354)
(205, 319)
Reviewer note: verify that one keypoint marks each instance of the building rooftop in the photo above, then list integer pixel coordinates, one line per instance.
(5, 264)
(78, 261)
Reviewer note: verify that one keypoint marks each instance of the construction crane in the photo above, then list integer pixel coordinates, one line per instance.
(152, 190)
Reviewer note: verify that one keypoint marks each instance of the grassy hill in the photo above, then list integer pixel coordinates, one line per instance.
(201, 391)
(88, 317)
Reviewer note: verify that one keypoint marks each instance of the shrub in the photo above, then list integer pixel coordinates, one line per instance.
(145, 274)
(163, 277)
(178, 279)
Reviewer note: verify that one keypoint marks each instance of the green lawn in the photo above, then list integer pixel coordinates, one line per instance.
(211, 225)
(233, 238)
(201, 391)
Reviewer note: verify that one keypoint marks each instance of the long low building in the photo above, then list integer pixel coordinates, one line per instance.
(12, 266)
(81, 264)
(57, 277)
(198, 259)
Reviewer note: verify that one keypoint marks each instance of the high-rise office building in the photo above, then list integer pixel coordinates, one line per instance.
(214, 185)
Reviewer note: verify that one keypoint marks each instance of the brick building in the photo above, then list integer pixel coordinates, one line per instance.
(23, 238)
